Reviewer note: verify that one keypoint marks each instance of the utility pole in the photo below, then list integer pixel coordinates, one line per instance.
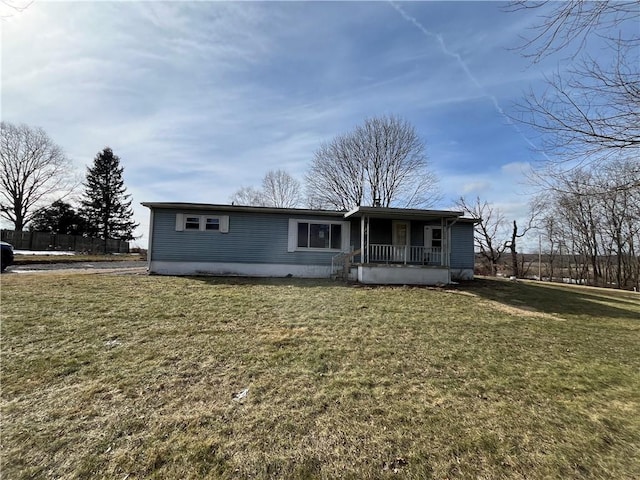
(539, 257)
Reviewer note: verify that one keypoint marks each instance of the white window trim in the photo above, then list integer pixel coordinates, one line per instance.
(223, 221)
(293, 235)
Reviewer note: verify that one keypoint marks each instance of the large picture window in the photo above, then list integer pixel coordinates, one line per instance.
(317, 235)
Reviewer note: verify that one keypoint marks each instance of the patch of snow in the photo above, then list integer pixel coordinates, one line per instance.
(241, 395)
(43, 252)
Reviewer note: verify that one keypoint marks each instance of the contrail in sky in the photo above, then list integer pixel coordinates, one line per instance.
(464, 67)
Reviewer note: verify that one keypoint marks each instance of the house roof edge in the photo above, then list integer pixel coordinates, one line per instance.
(238, 208)
(398, 213)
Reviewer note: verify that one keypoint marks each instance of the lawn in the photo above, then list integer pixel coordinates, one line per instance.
(134, 376)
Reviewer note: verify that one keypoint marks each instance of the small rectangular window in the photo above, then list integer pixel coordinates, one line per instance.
(436, 240)
(202, 223)
(192, 223)
(212, 224)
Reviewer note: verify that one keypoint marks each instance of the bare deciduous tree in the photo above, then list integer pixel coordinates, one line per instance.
(336, 178)
(591, 114)
(516, 235)
(33, 169)
(595, 219)
(381, 162)
(490, 232)
(279, 189)
(248, 196)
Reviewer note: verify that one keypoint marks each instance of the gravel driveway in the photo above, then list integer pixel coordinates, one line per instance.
(82, 267)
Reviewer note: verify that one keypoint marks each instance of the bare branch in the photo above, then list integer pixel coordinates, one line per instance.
(380, 162)
(33, 170)
(590, 115)
(248, 196)
(567, 24)
(281, 190)
(490, 232)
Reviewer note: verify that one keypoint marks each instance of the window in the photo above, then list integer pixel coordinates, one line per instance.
(319, 235)
(436, 239)
(308, 234)
(192, 223)
(202, 223)
(212, 223)
(303, 235)
(433, 237)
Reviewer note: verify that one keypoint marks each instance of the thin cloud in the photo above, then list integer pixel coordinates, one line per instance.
(467, 71)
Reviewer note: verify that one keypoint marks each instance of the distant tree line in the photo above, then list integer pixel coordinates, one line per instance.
(587, 214)
(595, 218)
(588, 230)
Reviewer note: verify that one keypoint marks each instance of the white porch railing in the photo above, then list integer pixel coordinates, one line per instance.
(404, 254)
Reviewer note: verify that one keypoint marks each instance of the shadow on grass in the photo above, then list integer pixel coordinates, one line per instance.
(271, 281)
(558, 299)
(542, 297)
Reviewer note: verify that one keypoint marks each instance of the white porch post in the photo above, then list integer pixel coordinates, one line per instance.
(362, 246)
(444, 249)
(368, 239)
(448, 250)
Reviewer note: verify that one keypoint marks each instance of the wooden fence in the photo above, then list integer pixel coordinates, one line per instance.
(43, 241)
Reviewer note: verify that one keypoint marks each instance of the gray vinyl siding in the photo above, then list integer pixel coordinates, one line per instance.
(380, 231)
(462, 255)
(252, 238)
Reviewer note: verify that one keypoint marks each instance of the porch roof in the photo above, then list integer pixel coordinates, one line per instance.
(401, 213)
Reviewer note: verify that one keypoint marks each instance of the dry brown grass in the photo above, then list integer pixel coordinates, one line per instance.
(135, 376)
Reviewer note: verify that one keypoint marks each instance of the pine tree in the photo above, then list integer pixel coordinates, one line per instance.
(106, 206)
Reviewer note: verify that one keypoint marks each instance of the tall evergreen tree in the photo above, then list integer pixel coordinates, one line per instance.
(106, 206)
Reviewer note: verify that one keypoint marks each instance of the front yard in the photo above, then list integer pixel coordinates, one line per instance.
(125, 376)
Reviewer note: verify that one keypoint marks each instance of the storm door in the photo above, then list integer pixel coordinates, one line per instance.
(400, 240)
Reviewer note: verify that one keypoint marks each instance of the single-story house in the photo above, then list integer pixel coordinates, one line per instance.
(373, 245)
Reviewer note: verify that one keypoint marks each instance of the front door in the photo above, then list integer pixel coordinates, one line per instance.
(400, 240)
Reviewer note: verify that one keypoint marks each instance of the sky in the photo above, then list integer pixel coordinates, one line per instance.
(201, 98)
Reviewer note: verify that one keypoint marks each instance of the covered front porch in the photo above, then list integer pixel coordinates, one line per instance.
(400, 246)
(404, 254)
